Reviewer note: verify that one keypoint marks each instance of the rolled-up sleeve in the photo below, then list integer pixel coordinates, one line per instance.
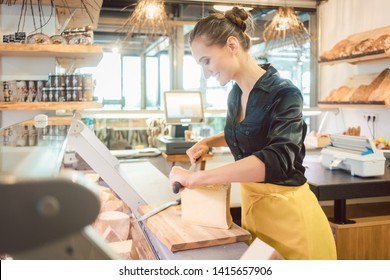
(284, 139)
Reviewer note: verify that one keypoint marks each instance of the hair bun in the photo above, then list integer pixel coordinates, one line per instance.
(237, 16)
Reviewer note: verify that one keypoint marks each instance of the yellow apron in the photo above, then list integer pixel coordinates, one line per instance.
(289, 219)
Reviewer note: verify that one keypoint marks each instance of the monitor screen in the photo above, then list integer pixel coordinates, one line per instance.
(183, 107)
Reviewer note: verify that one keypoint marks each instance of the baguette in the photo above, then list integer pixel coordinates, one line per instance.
(340, 94)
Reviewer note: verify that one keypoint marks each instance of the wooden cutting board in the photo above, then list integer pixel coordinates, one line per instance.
(178, 236)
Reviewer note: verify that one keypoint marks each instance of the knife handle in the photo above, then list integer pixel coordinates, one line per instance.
(176, 187)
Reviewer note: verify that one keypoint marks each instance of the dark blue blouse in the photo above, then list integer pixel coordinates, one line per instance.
(273, 128)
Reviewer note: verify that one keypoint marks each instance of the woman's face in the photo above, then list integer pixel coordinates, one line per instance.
(216, 61)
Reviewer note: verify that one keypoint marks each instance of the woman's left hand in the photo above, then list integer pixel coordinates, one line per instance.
(181, 175)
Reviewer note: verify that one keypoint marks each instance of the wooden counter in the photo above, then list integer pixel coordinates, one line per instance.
(366, 239)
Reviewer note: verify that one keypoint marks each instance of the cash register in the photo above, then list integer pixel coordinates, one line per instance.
(182, 109)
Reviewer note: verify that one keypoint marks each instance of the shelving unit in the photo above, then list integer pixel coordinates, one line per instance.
(67, 56)
(350, 105)
(366, 58)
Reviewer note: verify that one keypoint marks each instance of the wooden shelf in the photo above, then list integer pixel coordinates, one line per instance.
(48, 105)
(52, 120)
(383, 54)
(351, 105)
(78, 54)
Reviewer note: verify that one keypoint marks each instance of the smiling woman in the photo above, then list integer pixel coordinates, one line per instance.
(264, 131)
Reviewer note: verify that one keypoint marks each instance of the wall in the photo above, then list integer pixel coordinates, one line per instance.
(337, 21)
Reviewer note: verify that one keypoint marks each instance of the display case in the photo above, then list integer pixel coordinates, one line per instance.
(26, 150)
(45, 214)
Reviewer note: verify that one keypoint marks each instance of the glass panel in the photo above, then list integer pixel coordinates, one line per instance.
(151, 83)
(293, 63)
(165, 77)
(108, 83)
(132, 81)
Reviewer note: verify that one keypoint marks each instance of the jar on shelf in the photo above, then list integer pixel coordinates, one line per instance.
(88, 94)
(76, 93)
(32, 91)
(76, 80)
(60, 94)
(87, 81)
(57, 80)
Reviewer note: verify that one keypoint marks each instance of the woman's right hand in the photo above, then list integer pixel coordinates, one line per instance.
(197, 151)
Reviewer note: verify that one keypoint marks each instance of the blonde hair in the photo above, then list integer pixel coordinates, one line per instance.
(218, 27)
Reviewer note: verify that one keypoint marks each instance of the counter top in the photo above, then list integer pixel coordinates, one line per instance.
(326, 184)
(339, 185)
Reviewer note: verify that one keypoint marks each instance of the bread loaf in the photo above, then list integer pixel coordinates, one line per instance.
(354, 131)
(381, 43)
(342, 93)
(340, 49)
(360, 94)
(362, 46)
(359, 44)
(347, 95)
(331, 96)
(363, 92)
(383, 90)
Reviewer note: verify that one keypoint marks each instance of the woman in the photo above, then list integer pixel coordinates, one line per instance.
(265, 131)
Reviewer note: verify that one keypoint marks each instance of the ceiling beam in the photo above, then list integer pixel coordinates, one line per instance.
(310, 4)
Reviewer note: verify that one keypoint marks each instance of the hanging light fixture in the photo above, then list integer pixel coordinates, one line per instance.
(148, 19)
(285, 25)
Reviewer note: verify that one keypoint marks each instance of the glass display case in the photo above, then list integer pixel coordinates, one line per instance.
(45, 214)
(31, 155)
